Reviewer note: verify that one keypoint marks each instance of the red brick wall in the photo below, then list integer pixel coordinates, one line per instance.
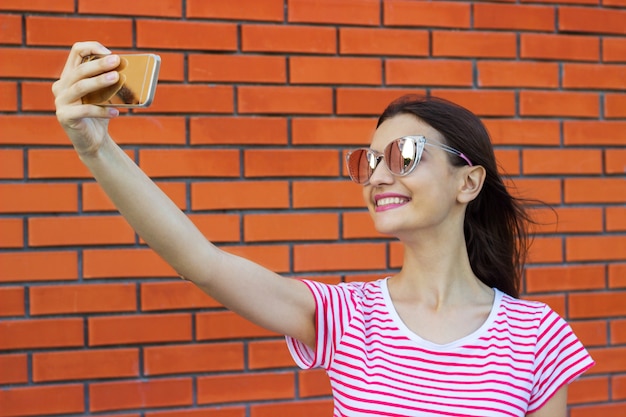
(258, 100)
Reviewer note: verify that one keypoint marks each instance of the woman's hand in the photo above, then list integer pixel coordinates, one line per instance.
(85, 124)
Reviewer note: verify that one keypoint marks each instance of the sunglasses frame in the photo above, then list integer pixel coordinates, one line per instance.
(419, 141)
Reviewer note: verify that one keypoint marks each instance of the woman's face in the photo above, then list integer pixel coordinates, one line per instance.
(423, 199)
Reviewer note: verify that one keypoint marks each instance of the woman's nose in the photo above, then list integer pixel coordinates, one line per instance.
(381, 174)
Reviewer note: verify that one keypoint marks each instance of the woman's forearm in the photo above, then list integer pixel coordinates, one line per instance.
(149, 210)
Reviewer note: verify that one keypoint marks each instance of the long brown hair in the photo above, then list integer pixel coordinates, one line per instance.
(496, 223)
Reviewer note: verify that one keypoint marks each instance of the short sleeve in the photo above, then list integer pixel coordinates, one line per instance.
(559, 358)
(334, 305)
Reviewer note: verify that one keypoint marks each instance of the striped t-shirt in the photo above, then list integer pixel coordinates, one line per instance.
(510, 366)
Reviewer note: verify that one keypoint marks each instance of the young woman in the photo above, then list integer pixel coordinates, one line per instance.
(444, 336)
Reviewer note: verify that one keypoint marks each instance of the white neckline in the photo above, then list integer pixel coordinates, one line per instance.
(432, 345)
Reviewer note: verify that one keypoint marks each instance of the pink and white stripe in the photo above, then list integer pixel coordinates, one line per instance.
(510, 366)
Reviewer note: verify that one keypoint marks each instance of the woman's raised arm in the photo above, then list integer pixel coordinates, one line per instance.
(280, 304)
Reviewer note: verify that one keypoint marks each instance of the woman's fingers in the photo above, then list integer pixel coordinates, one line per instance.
(88, 77)
(79, 51)
(80, 78)
(68, 96)
(87, 85)
(71, 116)
(97, 66)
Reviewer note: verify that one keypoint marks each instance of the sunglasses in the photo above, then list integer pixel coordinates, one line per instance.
(401, 157)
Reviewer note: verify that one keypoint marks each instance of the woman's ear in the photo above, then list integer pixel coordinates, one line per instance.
(473, 179)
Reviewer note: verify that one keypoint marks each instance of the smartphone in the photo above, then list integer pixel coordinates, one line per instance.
(136, 86)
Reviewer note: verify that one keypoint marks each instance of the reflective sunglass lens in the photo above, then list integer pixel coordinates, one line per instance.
(358, 166)
(401, 155)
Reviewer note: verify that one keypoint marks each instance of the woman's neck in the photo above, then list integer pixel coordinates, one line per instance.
(439, 275)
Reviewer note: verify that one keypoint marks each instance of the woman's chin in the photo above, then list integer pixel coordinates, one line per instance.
(387, 229)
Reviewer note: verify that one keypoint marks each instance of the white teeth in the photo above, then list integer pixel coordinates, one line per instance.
(390, 200)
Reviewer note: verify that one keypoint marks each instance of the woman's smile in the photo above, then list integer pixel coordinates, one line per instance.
(389, 201)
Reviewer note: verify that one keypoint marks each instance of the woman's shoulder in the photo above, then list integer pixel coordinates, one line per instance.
(531, 315)
(358, 289)
(521, 313)
(523, 305)
(358, 285)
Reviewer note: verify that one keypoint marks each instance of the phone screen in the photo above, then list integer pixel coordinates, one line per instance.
(136, 85)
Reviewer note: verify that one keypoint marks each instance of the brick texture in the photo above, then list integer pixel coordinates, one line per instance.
(258, 102)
